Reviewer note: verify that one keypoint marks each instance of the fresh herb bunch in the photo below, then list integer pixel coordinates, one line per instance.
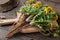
(43, 16)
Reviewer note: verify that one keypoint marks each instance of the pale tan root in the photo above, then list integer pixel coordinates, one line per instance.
(19, 16)
(29, 29)
(15, 28)
(11, 33)
(10, 21)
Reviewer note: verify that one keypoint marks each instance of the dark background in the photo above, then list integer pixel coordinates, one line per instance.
(32, 36)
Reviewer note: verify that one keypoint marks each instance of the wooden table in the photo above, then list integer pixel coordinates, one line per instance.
(32, 36)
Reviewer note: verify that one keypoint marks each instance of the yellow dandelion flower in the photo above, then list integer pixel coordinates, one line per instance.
(51, 25)
(51, 8)
(56, 18)
(47, 7)
(53, 11)
(35, 5)
(38, 3)
(46, 10)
